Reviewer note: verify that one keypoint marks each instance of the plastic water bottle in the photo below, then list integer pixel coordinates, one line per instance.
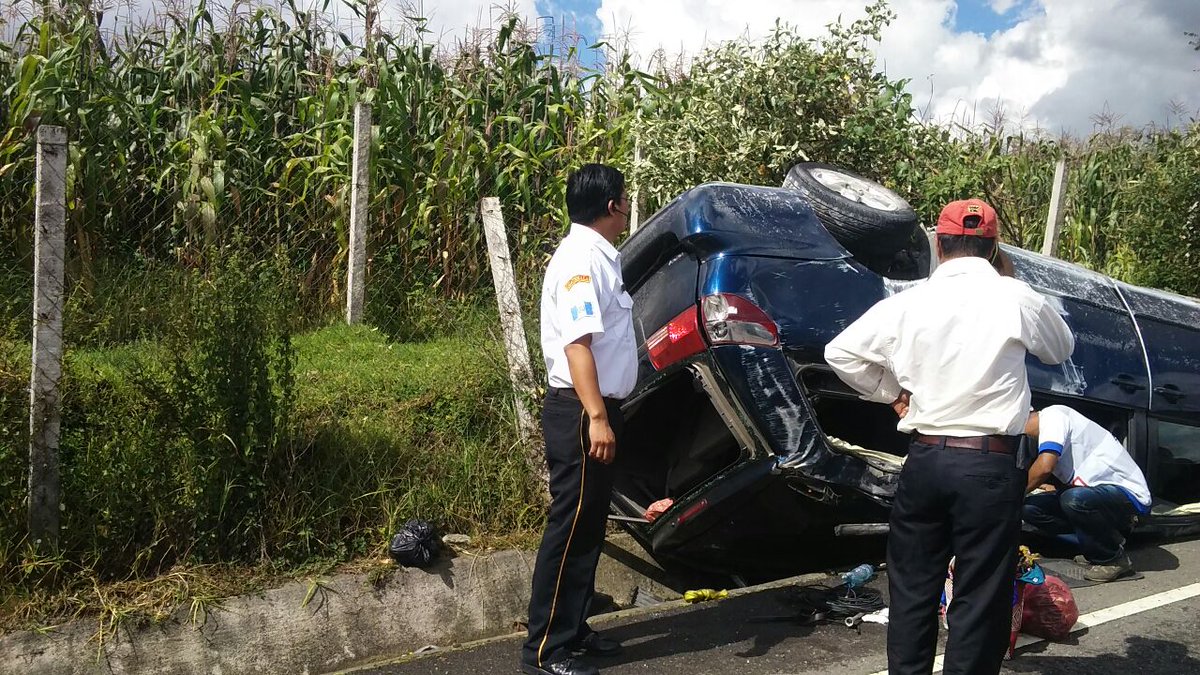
(858, 576)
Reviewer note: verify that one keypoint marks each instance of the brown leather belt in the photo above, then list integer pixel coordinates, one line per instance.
(1006, 445)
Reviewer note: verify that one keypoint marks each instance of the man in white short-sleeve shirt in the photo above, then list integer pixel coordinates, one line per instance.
(1104, 489)
(591, 364)
(583, 297)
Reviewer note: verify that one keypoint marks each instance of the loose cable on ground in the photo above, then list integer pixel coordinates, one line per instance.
(824, 603)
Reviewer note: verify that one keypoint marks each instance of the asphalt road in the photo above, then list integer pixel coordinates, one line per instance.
(1134, 626)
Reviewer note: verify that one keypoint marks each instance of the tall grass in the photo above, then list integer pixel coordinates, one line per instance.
(379, 433)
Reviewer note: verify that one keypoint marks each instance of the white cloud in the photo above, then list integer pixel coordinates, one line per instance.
(451, 19)
(1058, 65)
(689, 25)
(447, 20)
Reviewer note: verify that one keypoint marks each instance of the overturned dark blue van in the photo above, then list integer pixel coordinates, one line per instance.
(765, 453)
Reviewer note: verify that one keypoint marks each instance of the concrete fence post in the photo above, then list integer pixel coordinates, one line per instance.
(1054, 217)
(516, 349)
(360, 187)
(45, 409)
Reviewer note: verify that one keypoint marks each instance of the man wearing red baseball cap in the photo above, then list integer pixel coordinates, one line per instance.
(972, 217)
(949, 356)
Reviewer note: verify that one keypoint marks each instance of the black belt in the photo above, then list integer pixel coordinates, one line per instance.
(1006, 445)
(569, 392)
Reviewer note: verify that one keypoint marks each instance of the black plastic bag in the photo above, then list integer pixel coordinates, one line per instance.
(415, 545)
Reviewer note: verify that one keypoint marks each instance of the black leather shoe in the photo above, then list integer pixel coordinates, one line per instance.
(564, 667)
(596, 644)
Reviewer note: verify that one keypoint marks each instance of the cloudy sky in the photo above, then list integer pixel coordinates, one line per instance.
(1053, 64)
(1049, 63)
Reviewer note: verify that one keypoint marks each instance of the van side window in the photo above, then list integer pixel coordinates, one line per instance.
(1178, 462)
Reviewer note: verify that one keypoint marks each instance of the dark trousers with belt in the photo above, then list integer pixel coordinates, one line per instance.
(580, 491)
(963, 503)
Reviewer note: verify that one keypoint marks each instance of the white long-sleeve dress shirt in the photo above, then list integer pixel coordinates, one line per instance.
(957, 342)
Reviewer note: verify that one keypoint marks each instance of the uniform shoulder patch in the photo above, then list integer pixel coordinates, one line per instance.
(582, 311)
(576, 280)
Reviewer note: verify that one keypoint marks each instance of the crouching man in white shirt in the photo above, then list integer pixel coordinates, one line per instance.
(1105, 490)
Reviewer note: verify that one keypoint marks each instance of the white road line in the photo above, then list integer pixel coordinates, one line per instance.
(1102, 616)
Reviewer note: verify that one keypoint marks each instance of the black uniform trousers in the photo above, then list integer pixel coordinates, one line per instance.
(965, 503)
(564, 575)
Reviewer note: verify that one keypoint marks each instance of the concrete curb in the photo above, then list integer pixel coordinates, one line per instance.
(343, 622)
(599, 621)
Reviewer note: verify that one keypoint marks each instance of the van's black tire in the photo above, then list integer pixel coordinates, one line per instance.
(862, 228)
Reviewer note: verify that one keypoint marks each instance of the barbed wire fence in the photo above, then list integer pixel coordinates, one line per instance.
(409, 209)
(17, 180)
(428, 267)
(115, 290)
(18, 170)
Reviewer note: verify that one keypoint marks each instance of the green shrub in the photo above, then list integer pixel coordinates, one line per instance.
(168, 447)
(380, 432)
(1161, 209)
(230, 396)
(746, 111)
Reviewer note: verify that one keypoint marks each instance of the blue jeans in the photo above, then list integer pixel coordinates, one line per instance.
(1100, 517)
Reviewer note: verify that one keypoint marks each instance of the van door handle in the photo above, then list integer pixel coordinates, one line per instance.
(1127, 383)
(1170, 392)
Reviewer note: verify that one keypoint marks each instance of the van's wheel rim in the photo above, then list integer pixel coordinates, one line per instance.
(858, 190)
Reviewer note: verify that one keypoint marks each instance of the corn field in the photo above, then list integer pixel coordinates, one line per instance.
(185, 132)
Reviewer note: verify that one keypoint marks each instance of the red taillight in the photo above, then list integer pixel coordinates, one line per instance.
(728, 320)
(679, 339)
(732, 319)
(691, 511)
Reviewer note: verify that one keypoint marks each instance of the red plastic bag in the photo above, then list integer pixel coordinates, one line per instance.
(1050, 610)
